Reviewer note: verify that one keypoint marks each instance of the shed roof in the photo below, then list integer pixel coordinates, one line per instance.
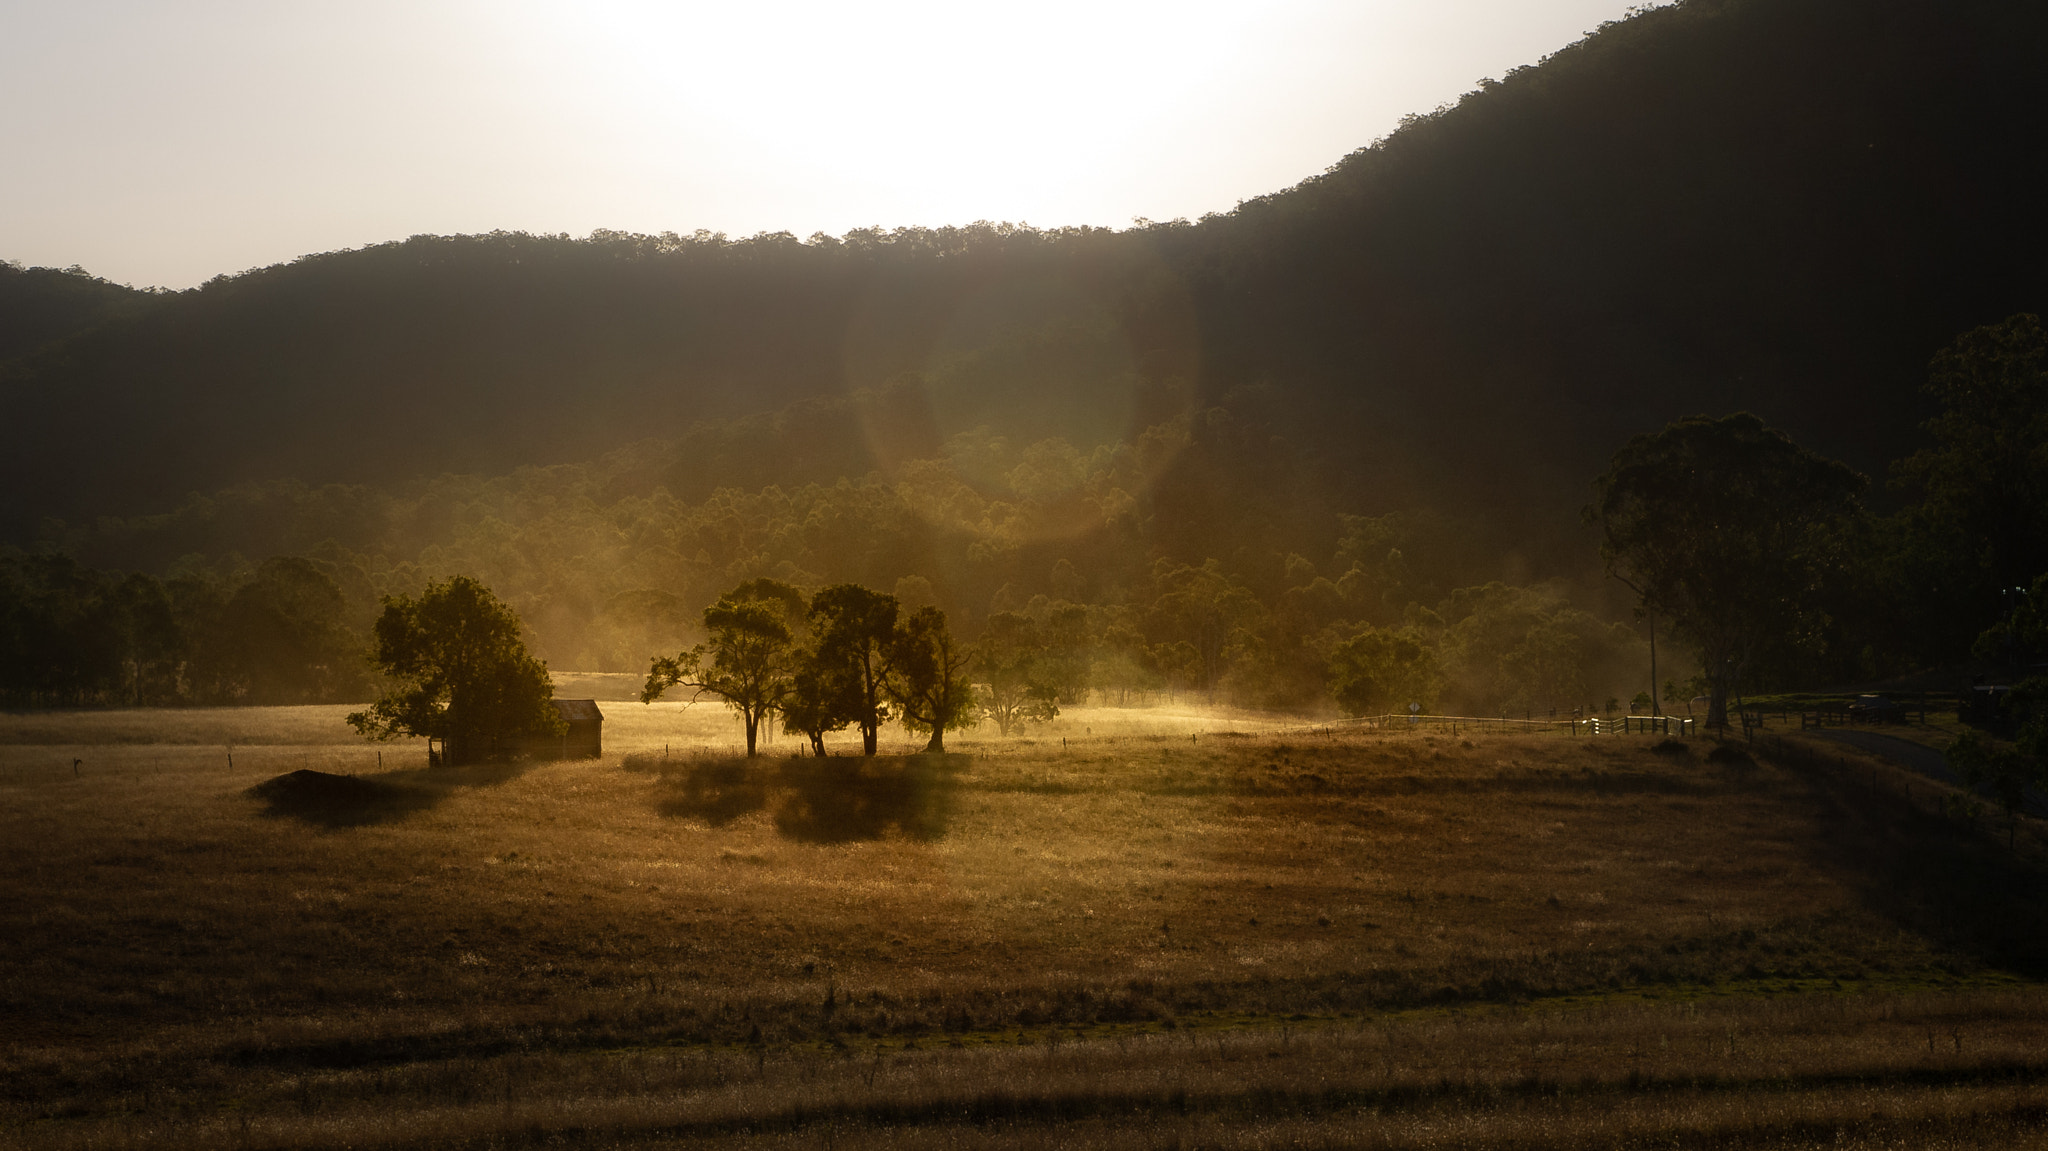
(579, 710)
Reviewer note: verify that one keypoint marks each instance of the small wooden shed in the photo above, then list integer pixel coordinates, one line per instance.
(583, 740)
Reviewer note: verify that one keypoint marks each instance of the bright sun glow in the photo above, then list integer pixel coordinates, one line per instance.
(164, 144)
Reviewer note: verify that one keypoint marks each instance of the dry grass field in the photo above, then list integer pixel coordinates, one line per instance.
(1134, 929)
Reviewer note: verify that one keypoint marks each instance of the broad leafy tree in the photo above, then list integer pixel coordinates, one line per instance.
(2023, 633)
(1987, 475)
(285, 637)
(1726, 528)
(2007, 772)
(1009, 664)
(1514, 649)
(1126, 663)
(1065, 659)
(1979, 529)
(817, 702)
(930, 684)
(750, 661)
(1377, 671)
(855, 630)
(462, 672)
(1204, 609)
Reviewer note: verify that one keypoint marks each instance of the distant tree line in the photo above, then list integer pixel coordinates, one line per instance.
(1191, 560)
(73, 637)
(1074, 548)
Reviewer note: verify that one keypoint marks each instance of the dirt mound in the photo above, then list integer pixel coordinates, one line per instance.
(330, 800)
(311, 787)
(1676, 748)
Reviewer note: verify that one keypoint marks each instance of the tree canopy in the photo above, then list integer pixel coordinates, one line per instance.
(1726, 528)
(753, 653)
(462, 674)
(1009, 663)
(1376, 672)
(286, 636)
(855, 628)
(279, 632)
(930, 684)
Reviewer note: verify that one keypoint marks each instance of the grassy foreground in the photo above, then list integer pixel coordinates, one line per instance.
(1132, 932)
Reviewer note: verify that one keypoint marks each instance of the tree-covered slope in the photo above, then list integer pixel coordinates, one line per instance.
(1782, 205)
(39, 306)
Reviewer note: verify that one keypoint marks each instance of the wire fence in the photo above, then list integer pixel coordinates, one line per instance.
(1529, 723)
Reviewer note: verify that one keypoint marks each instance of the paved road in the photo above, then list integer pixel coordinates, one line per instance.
(1923, 759)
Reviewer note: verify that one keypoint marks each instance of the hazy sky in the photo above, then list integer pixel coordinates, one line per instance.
(166, 142)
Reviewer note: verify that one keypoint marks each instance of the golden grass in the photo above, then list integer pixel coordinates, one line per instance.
(1149, 925)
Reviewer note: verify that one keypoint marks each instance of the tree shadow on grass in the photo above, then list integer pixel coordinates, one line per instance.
(340, 801)
(838, 800)
(1951, 882)
(717, 791)
(821, 800)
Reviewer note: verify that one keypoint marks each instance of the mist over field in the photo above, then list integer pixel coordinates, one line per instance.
(1534, 635)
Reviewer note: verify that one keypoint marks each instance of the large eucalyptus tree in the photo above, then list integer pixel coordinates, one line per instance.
(1727, 529)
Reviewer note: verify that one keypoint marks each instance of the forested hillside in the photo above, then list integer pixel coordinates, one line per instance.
(1777, 205)
(1352, 404)
(1784, 205)
(40, 306)
(1191, 558)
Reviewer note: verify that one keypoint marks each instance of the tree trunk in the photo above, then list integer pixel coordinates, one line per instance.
(867, 739)
(817, 744)
(753, 725)
(937, 745)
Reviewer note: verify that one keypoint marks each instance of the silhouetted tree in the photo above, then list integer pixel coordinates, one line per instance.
(1980, 528)
(854, 627)
(464, 677)
(929, 682)
(1008, 663)
(752, 653)
(2010, 771)
(1725, 528)
(816, 704)
(2006, 772)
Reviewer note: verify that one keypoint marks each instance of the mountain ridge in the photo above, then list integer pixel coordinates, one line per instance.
(1778, 205)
